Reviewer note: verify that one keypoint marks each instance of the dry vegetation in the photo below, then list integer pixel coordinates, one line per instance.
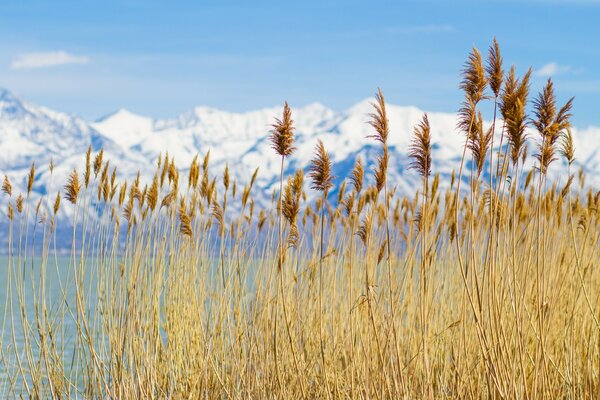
(482, 291)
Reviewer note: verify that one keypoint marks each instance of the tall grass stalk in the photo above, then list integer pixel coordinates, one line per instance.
(208, 291)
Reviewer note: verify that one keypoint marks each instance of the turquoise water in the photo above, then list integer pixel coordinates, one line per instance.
(29, 291)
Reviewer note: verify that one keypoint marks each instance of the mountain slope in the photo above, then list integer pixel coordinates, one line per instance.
(30, 133)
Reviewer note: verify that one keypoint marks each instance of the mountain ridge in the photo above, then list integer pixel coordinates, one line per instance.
(132, 142)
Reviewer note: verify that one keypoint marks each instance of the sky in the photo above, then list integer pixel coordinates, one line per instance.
(160, 58)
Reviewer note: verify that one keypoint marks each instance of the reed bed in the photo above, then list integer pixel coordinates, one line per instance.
(183, 287)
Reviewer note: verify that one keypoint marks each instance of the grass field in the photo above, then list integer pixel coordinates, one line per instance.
(184, 288)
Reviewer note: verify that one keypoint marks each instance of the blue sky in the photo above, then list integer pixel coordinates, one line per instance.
(161, 58)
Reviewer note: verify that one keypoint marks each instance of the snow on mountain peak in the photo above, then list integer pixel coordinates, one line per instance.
(11, 106)
(125, 127)
(32, 133)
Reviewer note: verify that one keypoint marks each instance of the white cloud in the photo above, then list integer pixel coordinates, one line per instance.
(552, 69)
(46, 59)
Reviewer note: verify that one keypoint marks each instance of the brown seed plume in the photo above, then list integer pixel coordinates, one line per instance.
(550, 124)
(205, 162)
(420, 148)
(282, 134)
(226, 177)
(30, 179)
(262, 218)
(567, 149)
(98, 162)
(253, 179)
(567, 187)
(72, 187)
(86, 176)
(217, 213)
(380, 171)
(320, 169)
(379, 119)
(341, 193)
(364, 230)
(122, 193)
(19, 203)
(473, 84)
(194, 173)
(185, 225)
(152, 194)
(6, 186)
(494, 68)
(57, 203)
(474, 79)
(349, 203)
(291, 197)
(357, 175)
(479, 143)
(512, 107)
(165, 167)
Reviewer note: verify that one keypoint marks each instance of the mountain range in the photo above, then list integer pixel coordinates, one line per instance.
(31, 133)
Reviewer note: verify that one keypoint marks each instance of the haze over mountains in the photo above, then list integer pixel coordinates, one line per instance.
(31, 133)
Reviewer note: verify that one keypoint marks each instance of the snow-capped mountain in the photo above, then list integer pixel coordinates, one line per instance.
(31, 133)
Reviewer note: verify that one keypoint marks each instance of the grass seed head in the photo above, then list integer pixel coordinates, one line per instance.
(72, 187)
(282, 134)
(7, 186)
(420, 148)
(494, 68)
(320, 169)
(378, 119)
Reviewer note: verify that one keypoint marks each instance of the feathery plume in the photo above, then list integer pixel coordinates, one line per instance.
(205, 162)
(473, 84)
(98, 162)
(320, 169)
(550, 124)
(474, 79)
(217, 213)
(567, 149)
(566, 188)
(185, 226)
(19, 203)
(194, 173)
(364, 230)
(6, 186)
(226, 177)
(253, 179)
(512, 107)
(282, 134)
(10, 212)
(291, 197)
(379, 119)
(165, 168)
(72, 187)
(494, 68)
(88, 167)
(357, 175)
(30, 179)
(122, 193)
(381, 169)
(57, 203)
(420, 148)
(152, 194)
(479, 143)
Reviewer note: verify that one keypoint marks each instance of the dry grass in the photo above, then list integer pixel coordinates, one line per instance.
(488, 292)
